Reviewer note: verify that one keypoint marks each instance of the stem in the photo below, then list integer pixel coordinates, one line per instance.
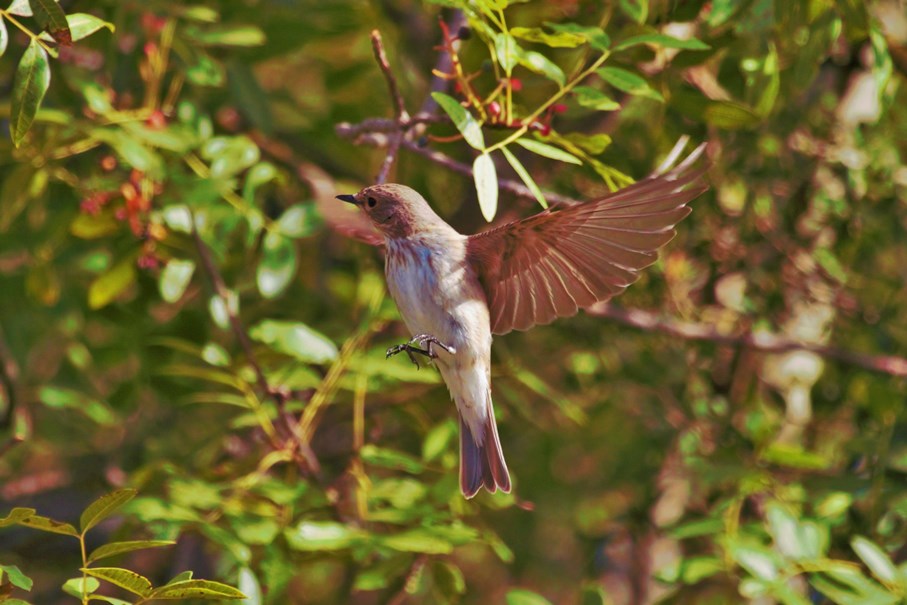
(35, 37)
(84, 565)
(551, 101)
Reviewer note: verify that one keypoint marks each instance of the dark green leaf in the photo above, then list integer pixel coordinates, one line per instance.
(388, 458)
(629, 82)
(638, 10)
(196, 589)
(124, 578)
(595, 99)
(51, 17)
(83, 25)
(30, 86)
(117, 548)
(95, 409)
(104, 506)
(486, 180)
(661, 40)
(525, 176)
(462, 120)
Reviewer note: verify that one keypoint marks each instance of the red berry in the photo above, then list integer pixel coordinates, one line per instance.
(157, 120)
(559, 108)
(494, 109)
(516, 84)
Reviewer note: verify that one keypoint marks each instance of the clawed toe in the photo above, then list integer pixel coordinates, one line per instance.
(411, 349)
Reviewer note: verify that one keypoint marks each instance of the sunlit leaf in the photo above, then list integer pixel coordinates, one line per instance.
(661, 40)
(117, 548)
(525, 176)
(299, 220)
(4, 37)
(106, 287)
(594, 99)
(95, 409)
(507, 51)
(462, 120)
(388, 458)
(175, 278)
(277, 266)
(321, 536)
(595, 36)
(16, 577)
(876, 559)
(548, 151)
(486, 180)
(541, 64)
(521, 596)
(103, 507)
(83, 25)
(78, 587)
(124, 578)
(628, 82)
(295, 339)
(229, 35)
(29, 87)
(195, 589)
(556, 40)
(419, 541)
(49, 525)
(51, 17)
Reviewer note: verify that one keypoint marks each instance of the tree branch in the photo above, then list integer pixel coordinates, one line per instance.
(764, 342)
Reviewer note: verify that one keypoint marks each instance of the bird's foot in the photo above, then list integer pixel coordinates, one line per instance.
(411, 349)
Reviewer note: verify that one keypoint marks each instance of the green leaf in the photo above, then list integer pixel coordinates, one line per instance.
(30, 86)
(16, 515)
(593, 144)
(111, 284)
(196, 589)
(507, 51)
(277, 266)
(388, 458)
(521, 596)
(295, 339)
(83, 25)
(258, 175)
(229, 35)
(662, 40)
(758, 561)
(486, 179)
(96, 410)
(525, 176)
(88, 226)
(419, 540)
(876, 559)
(638, 10)
(549, 151)
(47, 524)
(4, 37)
(20, 8)
(595, 36)
(462, 120)
(555, 40)
(230, 155)
(299, 220)
(16, 577)
(81, 586)
(313, 536)
(124, 578)
(628, 82)
(104, 506)
(595, 99)
(117, 548)
(175, 278)
(448, 577)
(541, 64)
(51, 17)
(437, 440)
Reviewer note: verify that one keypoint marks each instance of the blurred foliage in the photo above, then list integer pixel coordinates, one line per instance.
(176, 318)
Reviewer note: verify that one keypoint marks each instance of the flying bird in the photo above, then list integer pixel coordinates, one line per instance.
(454, 291)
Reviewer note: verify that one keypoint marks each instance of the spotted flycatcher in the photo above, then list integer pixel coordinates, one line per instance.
(453, 291)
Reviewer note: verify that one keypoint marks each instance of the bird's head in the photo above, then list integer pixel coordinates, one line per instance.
(395, 210)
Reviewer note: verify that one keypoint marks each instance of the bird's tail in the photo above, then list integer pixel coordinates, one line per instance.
(482, 463)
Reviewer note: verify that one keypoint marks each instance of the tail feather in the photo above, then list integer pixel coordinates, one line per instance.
(482, 464)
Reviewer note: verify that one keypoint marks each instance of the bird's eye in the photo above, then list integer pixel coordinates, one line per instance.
(371, 202)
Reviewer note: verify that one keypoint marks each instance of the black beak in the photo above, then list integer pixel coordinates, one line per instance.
(350, 199)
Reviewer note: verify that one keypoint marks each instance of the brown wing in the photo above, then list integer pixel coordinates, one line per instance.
(570, 257)
(349, 221)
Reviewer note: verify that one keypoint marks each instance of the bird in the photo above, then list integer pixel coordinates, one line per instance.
(455, 291)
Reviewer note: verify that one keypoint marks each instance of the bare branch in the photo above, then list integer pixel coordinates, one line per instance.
(381, 57)
(766, 343)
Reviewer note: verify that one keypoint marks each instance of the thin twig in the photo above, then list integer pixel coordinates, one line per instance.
(764, 342)
(381, 57)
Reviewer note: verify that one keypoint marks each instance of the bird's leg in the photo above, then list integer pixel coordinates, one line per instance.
(411, 349)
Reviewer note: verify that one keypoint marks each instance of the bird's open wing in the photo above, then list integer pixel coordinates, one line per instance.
(570, 257)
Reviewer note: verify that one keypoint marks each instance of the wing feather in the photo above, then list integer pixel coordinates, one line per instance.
(569, 257)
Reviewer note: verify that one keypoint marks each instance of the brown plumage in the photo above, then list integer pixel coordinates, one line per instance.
(461, 289)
